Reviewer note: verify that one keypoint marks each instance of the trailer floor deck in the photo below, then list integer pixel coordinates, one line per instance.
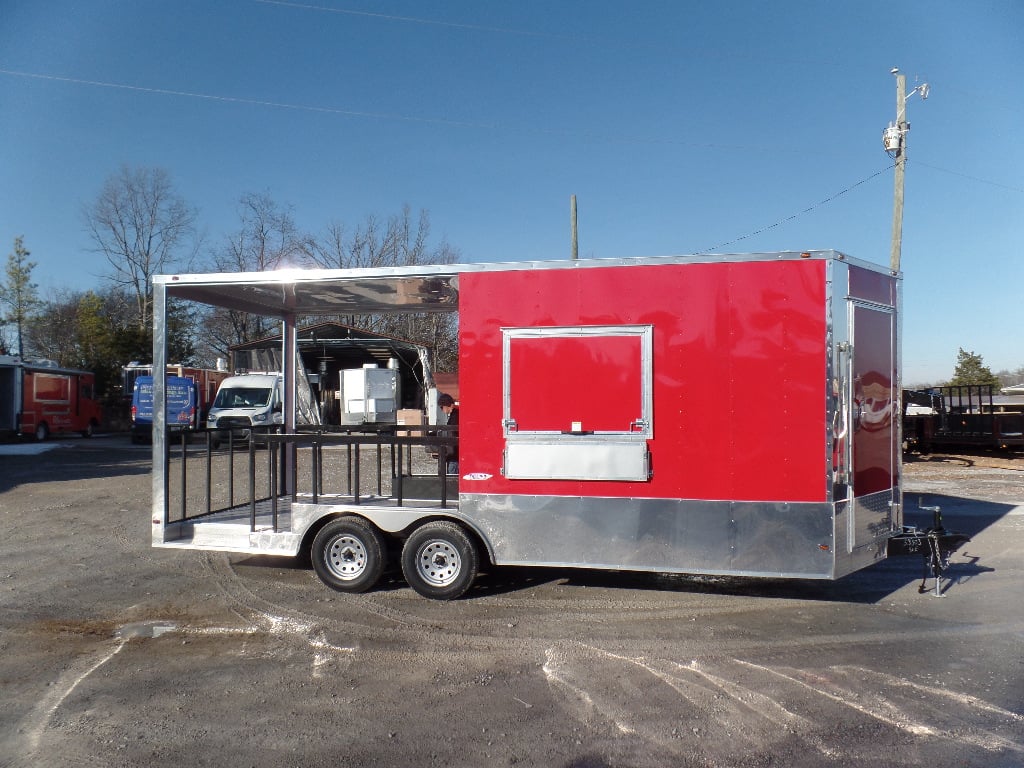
(235, 529)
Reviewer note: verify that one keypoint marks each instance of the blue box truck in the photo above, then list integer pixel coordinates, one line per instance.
(182, 407)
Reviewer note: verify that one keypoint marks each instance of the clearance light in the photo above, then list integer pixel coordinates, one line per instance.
(824, 547)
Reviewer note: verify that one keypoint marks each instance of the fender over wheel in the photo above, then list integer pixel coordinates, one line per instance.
(440, 560)
(348, 554)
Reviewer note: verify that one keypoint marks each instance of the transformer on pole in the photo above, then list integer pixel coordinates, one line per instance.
(894, 139)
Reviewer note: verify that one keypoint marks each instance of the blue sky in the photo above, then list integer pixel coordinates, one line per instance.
(681, 127)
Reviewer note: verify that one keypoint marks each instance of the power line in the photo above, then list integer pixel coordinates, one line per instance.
(609, 138)
(415, 20)
(710, 51)
(240, 100)
(966, 176)
(796, 215)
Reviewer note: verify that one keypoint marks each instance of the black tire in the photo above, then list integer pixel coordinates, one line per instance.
(440, 561)
(90, 430)
(348, 554)
(42, 431)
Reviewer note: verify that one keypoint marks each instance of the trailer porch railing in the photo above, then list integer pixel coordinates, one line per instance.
(357, 464)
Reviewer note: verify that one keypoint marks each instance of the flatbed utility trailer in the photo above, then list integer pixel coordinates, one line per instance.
(961, 417)
(726, 414)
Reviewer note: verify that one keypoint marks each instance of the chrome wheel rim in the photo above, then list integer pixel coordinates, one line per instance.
(438, 563)
(345, 557)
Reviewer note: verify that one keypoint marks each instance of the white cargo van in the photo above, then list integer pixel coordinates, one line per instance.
(243, 402)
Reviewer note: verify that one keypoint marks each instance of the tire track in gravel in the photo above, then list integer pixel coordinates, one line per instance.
(378, 620)
(743, 707)
(37, 722)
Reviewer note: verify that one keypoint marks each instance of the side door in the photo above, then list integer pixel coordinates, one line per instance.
(873, 435)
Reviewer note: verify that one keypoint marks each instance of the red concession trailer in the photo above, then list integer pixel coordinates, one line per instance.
(41, 398)
(708, 415)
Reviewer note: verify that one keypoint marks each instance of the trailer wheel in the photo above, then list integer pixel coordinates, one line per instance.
(440, 561)
(42, 431)
(348, 555)
(90, 430)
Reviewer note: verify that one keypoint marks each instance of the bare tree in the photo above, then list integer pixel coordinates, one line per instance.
(399, 242)
(267, 238)
(140, 224)
(395, 243)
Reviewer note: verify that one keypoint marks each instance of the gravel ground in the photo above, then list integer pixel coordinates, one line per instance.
(116, 654)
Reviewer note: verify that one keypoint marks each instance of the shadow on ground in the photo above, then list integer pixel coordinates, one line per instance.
(71, 459)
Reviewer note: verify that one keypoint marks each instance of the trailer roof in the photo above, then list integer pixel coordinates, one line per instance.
(37, 366)
(322, 291)
(428, 288)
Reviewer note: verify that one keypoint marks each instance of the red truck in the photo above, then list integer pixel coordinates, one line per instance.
(40, 398)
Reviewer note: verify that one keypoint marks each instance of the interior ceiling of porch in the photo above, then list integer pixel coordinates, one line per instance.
(311, 294)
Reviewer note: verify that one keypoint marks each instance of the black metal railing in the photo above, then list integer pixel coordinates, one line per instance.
(313, 462)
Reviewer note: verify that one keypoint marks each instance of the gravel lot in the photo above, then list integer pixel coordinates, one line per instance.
(116, 654)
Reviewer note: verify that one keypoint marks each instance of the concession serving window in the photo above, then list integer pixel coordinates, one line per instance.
(577, 402)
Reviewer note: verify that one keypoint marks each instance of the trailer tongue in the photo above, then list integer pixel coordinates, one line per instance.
(935, 544)
(733, 415)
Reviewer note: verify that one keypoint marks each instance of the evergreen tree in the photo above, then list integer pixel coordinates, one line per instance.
(971, 369)
(18, 293)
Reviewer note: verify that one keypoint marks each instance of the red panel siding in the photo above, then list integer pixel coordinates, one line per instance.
(739, 373)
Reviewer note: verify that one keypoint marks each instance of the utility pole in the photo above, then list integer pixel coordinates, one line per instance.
(572, 215)
(901, 167)
(894, 138)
